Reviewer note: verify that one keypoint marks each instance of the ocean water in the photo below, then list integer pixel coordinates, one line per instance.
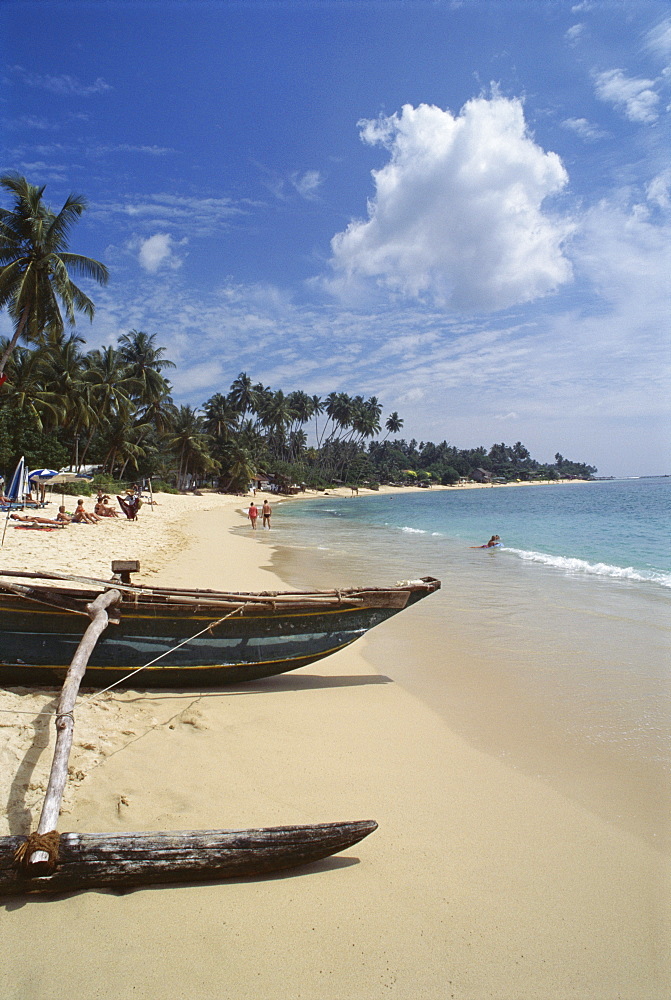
(551, 652)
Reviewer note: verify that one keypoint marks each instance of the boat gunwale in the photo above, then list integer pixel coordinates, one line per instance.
(428, 584)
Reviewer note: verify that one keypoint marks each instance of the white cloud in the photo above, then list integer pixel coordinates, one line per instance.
(659, 188)
(658, 40)
(634, 97)
(307, 184)
(457, 213)
(159, 251)
(124, 147)
(180, 213)
(583, 128)
(574, 32)
(61, 84)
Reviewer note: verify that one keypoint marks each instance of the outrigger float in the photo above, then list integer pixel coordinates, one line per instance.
(49, 862)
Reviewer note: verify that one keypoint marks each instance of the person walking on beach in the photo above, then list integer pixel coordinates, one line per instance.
(252, 514)
(266, 510)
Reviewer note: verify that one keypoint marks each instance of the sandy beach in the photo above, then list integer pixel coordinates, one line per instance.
(481, 882)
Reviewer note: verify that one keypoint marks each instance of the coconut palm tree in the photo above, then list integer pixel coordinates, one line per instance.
(110, 389)
(27, 390)
(317, 410)
(35, 265)
(393, 424)
(243, 393)
(191, 444)
(123, 445)
(145, 363)
(221, 417)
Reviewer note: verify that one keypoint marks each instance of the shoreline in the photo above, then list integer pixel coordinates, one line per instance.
(480, 882)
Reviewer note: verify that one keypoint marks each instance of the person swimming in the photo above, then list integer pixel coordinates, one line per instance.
(493, 542)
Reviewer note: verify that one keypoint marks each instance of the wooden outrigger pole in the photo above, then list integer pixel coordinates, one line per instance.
(47, 861)
(65, 725)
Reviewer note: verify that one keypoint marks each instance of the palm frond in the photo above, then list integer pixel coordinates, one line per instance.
(87, 267)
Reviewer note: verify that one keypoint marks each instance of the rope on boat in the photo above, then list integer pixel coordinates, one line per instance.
(208, 628)
(98, 694)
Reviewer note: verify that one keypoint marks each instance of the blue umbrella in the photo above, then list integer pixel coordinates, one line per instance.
(16, 487)
(16, 491)
(41, 474)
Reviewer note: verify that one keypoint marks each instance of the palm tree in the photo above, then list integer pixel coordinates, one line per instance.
(243, 393)
(35, 264)
(221, 417)
(190, 444)
(123, 445)
(110, 389)
(63, 366)
(145, 363)
(317, 410)
(392, 424)
(26, 390)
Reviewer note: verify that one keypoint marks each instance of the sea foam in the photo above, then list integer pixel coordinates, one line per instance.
(572, 565)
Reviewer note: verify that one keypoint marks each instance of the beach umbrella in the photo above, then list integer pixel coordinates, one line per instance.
(16, 490)
(17, 483)
(41, 475)
(65, 477)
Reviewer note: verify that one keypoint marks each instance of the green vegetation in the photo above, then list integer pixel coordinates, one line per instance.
(35, 265)
(112, 408)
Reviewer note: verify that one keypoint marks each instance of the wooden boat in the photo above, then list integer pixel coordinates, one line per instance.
(197, 637)
(47, 861)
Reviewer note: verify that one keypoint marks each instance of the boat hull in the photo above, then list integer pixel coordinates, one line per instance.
(37, 642)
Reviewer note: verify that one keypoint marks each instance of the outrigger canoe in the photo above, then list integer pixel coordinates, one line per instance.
(197, 638)
(48, 861)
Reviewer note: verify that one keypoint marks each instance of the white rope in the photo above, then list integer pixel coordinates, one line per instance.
(98, 694)
(207, 628)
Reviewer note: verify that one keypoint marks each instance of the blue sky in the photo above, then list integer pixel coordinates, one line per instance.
(459, 207)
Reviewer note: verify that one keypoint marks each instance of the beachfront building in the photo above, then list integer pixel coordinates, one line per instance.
(481, 476)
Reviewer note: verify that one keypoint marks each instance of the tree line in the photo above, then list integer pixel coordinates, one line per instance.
(113, 407)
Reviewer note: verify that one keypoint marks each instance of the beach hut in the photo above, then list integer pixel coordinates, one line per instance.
(481, 476)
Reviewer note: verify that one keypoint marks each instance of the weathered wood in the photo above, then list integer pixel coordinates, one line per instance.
(125, 565)
(236, 596)
(286, 600)
(111, 860)
(65, 720)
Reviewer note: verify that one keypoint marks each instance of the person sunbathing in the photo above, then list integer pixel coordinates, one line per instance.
(102, 509)
(33, 519)
(82, 516)
(107, 510)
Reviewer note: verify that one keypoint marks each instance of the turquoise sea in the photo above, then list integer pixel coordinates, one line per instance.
(551, 652)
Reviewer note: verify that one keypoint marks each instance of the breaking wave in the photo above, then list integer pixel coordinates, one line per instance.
(571, 565)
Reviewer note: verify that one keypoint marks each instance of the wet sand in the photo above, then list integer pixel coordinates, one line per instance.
(480, 882)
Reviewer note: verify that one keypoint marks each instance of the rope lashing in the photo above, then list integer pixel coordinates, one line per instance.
(47, 842)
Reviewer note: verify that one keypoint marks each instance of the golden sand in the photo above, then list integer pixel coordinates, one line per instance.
(480, 883)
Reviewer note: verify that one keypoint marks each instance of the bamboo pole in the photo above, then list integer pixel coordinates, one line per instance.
(64, 719)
